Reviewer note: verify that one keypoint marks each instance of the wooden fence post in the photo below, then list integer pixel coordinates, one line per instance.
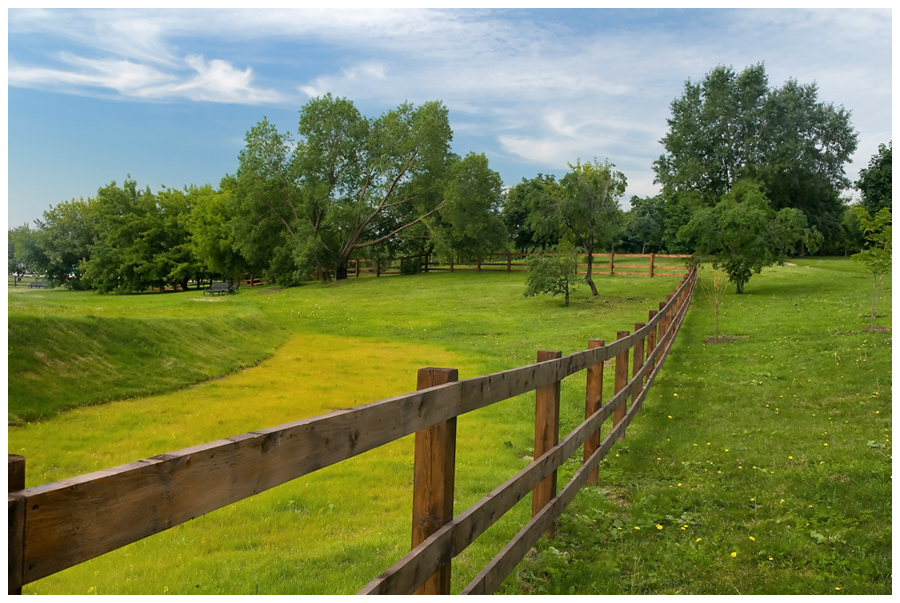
(478, 264)
(509, 262)
(621, 380)
(612, 255)
(637, 362)
(16, 518)
(652, 256)
(651, 341)
(593, 402)
(433, 479)
(546, 434)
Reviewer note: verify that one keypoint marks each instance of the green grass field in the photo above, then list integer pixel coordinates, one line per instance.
(798, 409)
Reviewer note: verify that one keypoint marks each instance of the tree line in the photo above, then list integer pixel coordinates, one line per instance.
(750, 173)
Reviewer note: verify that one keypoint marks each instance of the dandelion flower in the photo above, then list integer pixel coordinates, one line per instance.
(752, 538)
(733, 554)
(698, 540)
(658, 527)
(637, 527)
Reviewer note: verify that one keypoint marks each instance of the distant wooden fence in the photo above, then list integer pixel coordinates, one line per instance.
(55, 526)
(637, 264)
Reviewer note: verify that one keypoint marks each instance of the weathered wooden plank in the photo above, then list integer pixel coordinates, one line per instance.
(16, 543)
(15, 471)
(621, 378)
(433, 479)
(15, 523)
(593, 401)
(546, 432)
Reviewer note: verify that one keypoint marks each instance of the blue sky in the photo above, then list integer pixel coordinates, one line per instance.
(168, 95)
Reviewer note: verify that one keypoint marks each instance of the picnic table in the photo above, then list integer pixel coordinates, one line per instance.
(221, 289)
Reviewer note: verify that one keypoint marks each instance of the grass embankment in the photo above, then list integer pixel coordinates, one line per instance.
(362, 340)
(69, 349)
(757, 466)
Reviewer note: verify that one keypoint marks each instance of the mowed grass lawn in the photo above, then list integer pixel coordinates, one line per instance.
(796, 410)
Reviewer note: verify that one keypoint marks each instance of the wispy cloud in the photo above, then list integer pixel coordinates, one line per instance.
(527, 89)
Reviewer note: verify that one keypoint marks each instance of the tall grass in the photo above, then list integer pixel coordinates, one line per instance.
(357, 341)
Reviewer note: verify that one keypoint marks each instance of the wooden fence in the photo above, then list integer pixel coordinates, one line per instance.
(61, 524)
(649, 264)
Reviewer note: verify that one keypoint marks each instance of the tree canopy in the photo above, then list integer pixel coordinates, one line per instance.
(585, 206)
(732, 126)
(875, 181)
(350, 182)
(743, 233)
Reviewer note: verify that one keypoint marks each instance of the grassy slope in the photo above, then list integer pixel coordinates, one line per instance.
(758, 466)
(69, 349)
(347, 523)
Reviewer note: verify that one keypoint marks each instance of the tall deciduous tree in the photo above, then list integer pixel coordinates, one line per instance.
(744, 234)
(518, 204)
(645, 223)
(66, 233)
(731, 126)
(348, 183)
(211, 238)
(585, 205)
(131, 235)
(469, 225)
(875, 181)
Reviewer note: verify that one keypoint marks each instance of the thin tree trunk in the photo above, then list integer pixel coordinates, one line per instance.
(874, 286)
(589, 278)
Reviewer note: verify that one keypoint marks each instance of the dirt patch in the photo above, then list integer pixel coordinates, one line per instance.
(207, 299)
(789, 264)
(270, 291)
(725, 338)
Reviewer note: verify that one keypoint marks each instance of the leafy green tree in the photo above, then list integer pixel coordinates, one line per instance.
(349, 183)
(877, 257)
(645, 223)
(131, 234)
(469, 225)
(28, 256)
(732, 126)
(66, 233)
(176, 256)
(875, 181)
(744, 234)
(211, 236)
(584, 205)
(518, 204)
(552, 273)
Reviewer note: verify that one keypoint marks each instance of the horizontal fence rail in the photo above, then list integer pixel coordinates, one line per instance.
(58, 525)
(650, 264)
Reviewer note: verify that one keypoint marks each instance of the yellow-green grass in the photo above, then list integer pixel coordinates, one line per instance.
(353, 343)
